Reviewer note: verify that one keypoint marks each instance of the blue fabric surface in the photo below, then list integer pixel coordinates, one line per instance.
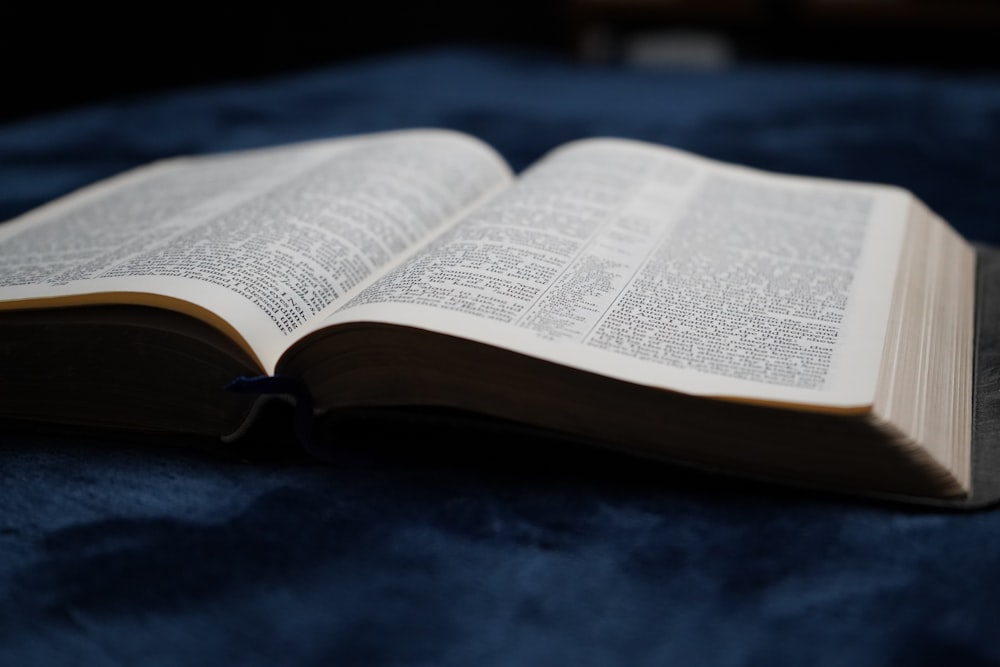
(118, 551)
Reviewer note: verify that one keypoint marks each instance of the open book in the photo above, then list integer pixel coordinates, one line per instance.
(635, 296)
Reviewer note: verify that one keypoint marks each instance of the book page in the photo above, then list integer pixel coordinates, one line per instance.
(266, 240)
(655, 266)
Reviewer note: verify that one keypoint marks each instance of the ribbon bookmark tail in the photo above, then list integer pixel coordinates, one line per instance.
(291, 388)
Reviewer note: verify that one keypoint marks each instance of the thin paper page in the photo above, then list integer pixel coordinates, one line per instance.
(264, 239)
(658, 267)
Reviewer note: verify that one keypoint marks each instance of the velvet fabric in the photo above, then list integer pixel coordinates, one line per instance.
(420, 546)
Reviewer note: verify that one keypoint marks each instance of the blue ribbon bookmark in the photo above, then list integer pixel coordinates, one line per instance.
(283, 386)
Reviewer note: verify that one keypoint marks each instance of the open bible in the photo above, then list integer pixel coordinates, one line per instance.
(631, 295)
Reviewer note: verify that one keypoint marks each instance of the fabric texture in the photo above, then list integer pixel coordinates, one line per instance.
(419, 548)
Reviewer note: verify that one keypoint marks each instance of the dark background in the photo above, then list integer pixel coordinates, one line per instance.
(55, 58)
